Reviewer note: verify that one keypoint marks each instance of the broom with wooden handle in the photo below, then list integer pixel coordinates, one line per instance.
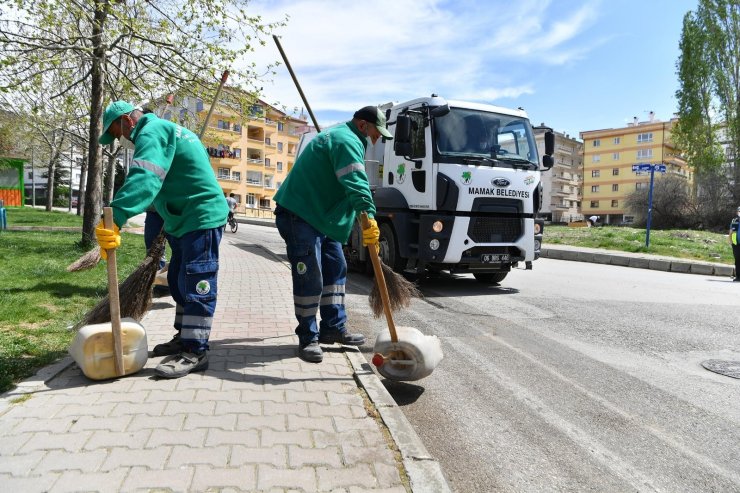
(400, 290)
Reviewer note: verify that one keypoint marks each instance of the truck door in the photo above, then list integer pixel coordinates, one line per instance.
(412, 175)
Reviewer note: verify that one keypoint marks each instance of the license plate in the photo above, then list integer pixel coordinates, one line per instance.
(492, 258)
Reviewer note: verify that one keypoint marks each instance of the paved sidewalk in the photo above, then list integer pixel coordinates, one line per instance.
(259, 419)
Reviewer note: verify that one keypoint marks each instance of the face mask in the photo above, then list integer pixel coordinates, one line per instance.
(126, 144)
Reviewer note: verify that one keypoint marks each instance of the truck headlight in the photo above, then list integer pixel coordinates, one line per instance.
(438, 226)
(434, 244)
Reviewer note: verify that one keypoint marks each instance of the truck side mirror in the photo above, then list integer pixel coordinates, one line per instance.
(402, 138)
(547, 161)
(549, 142)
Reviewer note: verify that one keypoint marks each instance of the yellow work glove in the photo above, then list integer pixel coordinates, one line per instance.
(371, 234)
(108, 239)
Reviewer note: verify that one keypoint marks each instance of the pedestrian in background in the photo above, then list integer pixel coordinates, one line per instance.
(592, 221)
(316, 207)
(171, 170)
(734, 225)
(231, 201)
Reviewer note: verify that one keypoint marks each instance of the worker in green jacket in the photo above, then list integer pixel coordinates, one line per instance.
(171, 171)
(317, 204)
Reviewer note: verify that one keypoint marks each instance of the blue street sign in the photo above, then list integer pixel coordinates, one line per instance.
(635, 167)
(660, 167)
(645, 167)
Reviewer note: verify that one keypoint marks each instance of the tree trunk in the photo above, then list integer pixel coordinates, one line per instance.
(51, 172)
(83, 180)
(94, 196)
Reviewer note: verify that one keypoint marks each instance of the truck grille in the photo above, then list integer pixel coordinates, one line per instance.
(494, 229)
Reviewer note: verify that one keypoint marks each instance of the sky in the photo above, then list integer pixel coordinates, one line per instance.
(575, 65)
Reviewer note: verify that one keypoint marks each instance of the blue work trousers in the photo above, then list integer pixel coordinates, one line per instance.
(192, 278)
(319, 273)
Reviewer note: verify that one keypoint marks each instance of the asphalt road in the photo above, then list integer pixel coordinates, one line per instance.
(572, 377)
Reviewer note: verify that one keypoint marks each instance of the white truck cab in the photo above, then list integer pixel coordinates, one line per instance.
(457, 189)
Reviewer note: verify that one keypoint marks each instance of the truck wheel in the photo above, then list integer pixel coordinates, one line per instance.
(490, 277)
(389, 248)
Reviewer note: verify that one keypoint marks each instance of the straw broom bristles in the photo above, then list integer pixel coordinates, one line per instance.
(400, 292)
(87, 261)
(135, 293)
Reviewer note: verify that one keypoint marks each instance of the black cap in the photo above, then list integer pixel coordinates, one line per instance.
(372, 114)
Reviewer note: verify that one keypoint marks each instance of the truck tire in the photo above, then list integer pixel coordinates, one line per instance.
(389, 248)
(490, 277)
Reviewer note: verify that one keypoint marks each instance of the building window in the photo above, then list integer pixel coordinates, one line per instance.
(615, 187)
(254, 178)
(280, 126)
(617, 140)
(594, 204)
(236, 176)
(223, 173)
(596, 158)
(267, 162)
(595, 173)
(251, 201)
(641, 186)
(280, 146)
(597, 142)
(279, 166)
(595, 188)
(237, 153)
(615, 171)
(646, 137)
(615, 156)
(264, 203)
(644, 153)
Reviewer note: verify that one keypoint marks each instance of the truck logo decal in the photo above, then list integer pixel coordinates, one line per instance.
(499, 192)
(401, 171)
(467, 176)
(528, 180)
(500, 182)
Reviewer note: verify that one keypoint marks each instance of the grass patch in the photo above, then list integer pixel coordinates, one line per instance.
(687, 244)
(39, 299)
(29, 216)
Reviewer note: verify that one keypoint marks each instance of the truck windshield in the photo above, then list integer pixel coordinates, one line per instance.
(468, 133)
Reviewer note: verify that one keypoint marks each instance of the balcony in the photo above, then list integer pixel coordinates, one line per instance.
(256, 160)
(228, 178)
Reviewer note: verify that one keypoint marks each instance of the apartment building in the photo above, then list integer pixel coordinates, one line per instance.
(251, 154)
(561, 185)
(608, 159)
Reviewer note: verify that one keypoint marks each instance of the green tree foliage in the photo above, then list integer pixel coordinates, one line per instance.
(709, 90)
(67, 59)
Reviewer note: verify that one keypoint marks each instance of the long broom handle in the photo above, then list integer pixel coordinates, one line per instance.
(224, 76)
(115, 306)
(295, 81)
(380, 280)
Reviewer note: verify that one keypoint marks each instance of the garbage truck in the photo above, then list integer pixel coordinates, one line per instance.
(457, 189)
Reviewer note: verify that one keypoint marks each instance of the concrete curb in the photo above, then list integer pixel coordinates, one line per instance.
(639, 261)
(424, 472)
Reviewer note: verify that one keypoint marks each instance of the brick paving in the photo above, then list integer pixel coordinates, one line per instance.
(259, 419)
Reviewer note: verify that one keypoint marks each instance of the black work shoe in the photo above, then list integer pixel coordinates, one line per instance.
(179, 365)
(159, 291)
(345, 338)
(167, 348)
(311, 352)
